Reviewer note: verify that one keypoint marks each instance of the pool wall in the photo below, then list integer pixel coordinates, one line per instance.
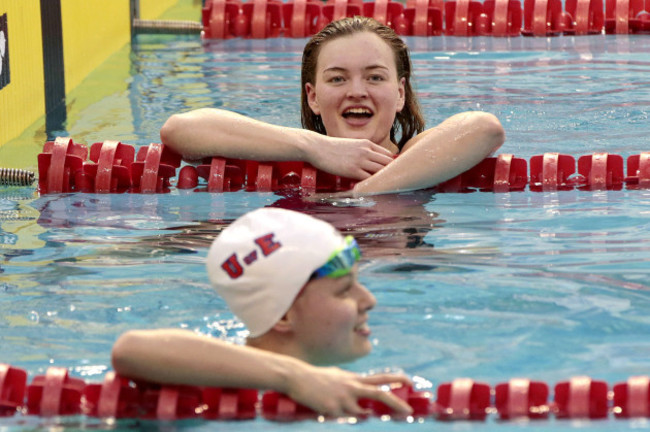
(50, 47)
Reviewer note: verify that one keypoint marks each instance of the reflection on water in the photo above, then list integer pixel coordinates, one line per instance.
(483, 285)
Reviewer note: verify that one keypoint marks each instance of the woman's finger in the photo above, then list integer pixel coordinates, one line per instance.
(361, 175)
(380, 158)
(388, 398)
(400, 406)
(382, 150)
(352, 408)
(372, 167)
(386, 378)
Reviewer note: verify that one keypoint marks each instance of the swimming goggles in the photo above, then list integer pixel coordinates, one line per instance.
(340, 263)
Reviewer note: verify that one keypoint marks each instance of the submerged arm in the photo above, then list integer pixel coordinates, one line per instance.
(184, 357)
(214, 132)
(438, 154)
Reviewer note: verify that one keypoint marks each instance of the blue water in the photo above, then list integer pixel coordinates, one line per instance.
(488, 286)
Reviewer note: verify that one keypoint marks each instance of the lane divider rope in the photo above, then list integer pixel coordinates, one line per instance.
(58, 394)
(114, 167)
(260, 19)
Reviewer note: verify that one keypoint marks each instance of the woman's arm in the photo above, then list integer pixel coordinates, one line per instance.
(438, 154)
(214, 132)
(177, 356)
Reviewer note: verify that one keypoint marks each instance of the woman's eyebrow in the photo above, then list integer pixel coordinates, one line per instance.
(376, 66)
(335, 69)
(342, 69)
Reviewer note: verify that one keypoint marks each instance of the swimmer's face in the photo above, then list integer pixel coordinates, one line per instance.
(357, 91)
(329, 320)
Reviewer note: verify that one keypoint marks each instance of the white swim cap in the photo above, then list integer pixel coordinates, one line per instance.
(261, 261)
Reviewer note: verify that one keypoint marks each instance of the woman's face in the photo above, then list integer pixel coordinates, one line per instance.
(330, 320)
(356, 90)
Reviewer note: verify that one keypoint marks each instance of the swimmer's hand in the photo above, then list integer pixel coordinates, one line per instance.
(357, 159)
(334, 392)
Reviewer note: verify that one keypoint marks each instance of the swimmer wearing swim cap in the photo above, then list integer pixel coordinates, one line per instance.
(292, 280)
(295, 249)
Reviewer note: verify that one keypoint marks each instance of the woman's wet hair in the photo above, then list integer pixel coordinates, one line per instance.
(409, 121)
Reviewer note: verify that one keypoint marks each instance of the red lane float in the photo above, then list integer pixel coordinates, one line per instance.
(582, 397)
(521, 398)
(170, 402)
(602, 171)
(586, 17)
(422, 18)
(279, 407)
(543, 18)
(638, 171)
(152, 169)
(631, 398)
(465, 18)
(111, 169)
(266, 18)
(462, 399)
(551, 171)
(12, 389)
(334, 10)
(302, 18)
(58, 394)
(229, 404)
(419, 401)
(390, 13)
(223, 19)
(58, 163)
(113, 398)
(505, 17)
(55, 393)
(503, 173)
(627, 16)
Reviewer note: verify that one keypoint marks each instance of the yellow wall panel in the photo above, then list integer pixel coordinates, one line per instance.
(96, 36)
(101, 104)
(92, 31)
(189, 10)
(22, 100)
(152, 9)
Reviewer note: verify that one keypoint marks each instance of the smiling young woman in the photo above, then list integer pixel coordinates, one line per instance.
(358, 111)
(360, 94)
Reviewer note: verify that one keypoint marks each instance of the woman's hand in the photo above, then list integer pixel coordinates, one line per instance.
(356, 159)
(336, 393)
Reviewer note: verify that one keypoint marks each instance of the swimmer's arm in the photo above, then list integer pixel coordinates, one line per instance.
(214, 132)
(438, 154)
(177, 356)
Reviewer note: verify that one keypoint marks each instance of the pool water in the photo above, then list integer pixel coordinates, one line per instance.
(488, 286)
